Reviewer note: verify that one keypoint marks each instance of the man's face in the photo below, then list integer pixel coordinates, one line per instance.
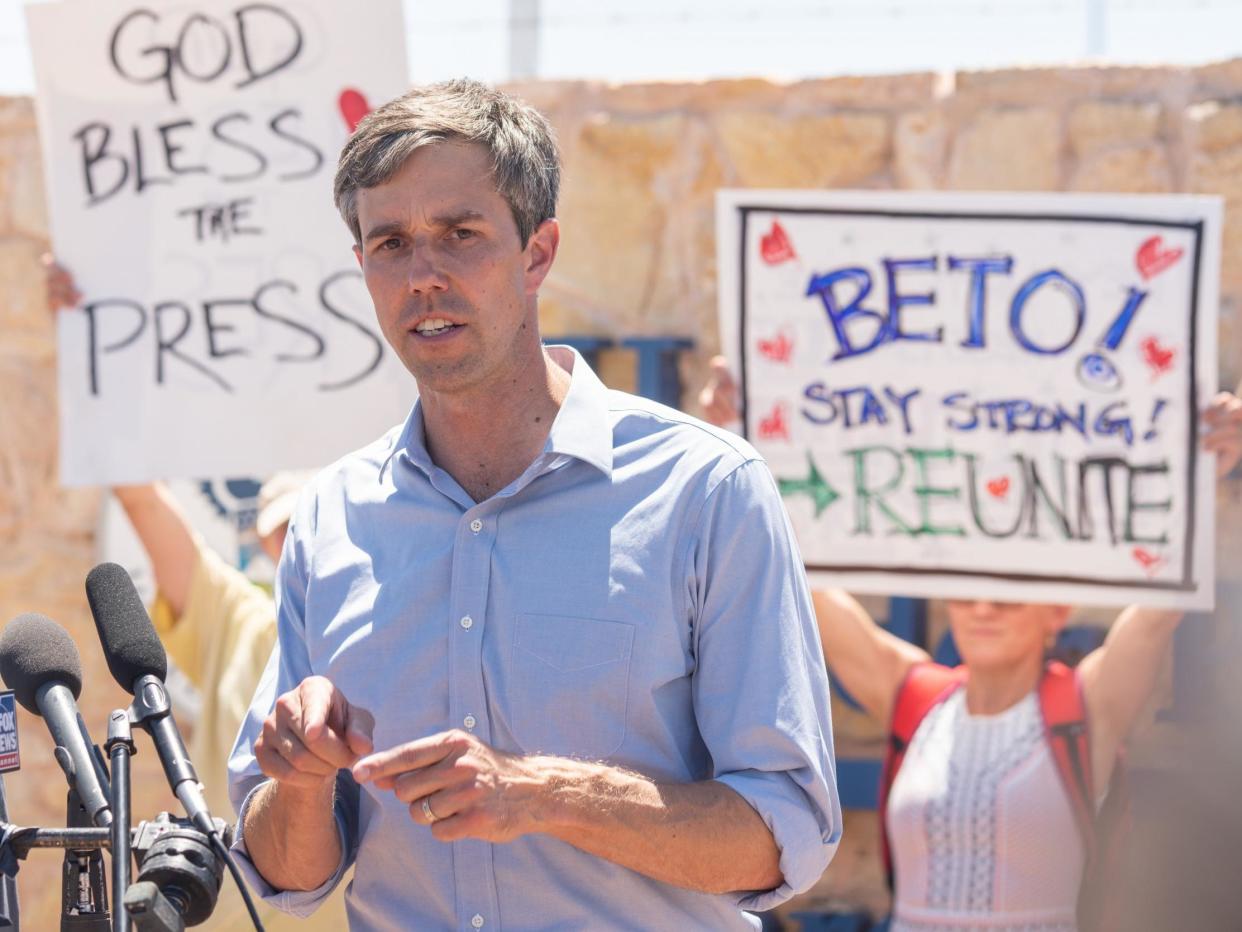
(454, 290)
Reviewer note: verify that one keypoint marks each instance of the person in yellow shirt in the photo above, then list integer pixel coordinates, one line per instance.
(218, 628)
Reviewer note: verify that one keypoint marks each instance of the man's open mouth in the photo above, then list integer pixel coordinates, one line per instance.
(435, 326)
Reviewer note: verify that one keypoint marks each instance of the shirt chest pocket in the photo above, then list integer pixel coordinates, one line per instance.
(570, 684)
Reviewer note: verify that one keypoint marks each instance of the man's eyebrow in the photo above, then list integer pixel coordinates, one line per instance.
(384, 230)
(455, 218)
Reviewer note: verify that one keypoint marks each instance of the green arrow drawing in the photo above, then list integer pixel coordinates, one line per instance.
(813, 485)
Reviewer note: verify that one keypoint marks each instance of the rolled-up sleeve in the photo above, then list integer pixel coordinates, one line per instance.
(287, 666)
(760, 684)
(300, 903)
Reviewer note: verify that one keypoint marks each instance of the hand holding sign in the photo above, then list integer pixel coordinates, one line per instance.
(718, 397)
(62, 292)
(1223, 437)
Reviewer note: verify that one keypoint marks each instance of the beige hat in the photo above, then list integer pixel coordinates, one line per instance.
(277, 499)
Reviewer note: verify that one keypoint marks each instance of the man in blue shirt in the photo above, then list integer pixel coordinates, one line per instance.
(546, 655)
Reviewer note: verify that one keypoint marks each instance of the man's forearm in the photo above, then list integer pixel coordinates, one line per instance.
(700, 836)
(291, 835)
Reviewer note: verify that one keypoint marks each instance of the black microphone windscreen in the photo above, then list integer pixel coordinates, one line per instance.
(130, 645)
(35, 650)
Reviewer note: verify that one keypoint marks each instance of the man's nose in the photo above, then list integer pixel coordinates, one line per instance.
(423, 273)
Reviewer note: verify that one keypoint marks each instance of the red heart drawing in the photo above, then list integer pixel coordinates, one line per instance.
(1158, 358)
(1149, 561)
(1153, 258)
(353, 106)
(779, 349)
(998, 488)
(775, 246)
(776, 425)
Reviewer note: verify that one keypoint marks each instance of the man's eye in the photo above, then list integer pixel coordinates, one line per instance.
(461, 233)
(391, 243)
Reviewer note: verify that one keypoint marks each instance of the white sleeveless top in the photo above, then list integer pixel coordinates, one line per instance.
(980, 825)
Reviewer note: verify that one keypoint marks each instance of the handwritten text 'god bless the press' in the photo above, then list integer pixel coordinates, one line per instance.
(252, 142)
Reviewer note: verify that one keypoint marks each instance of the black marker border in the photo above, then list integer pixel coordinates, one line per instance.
(1187, 582)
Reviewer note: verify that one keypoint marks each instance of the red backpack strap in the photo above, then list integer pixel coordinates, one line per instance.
(1066, 729)
(924, 687)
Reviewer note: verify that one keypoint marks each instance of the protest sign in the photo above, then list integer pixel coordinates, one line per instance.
(189, 152)
(982, 396)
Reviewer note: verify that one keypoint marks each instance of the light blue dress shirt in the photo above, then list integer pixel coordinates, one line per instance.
(634, 597)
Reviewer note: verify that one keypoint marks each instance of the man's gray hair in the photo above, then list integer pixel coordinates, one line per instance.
(526, 166)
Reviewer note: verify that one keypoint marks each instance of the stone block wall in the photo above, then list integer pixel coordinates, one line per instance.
(642, 163)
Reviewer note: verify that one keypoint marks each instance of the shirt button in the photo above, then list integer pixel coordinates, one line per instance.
(476, 525)
(469, 721)
(466, 622)
(477, 921)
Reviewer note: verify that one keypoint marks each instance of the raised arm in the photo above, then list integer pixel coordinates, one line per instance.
(867, 660)
(1119, 676)
(166, 537)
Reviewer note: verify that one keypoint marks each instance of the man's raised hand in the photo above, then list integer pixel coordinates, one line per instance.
(312, 733)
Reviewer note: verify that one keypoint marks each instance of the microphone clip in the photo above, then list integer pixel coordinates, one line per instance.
(120, 732)
(150, 703)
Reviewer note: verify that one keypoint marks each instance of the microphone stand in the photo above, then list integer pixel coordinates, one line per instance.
(120, 747)
(10, 914)
(84, 893)
(176, 850)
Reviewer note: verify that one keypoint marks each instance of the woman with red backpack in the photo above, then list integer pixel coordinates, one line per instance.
(1000, 779)
(996, 768)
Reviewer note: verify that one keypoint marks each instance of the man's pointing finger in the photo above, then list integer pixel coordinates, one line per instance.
(412, 755)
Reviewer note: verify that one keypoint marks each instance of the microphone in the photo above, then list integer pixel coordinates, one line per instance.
(138, 663)
(40, 663)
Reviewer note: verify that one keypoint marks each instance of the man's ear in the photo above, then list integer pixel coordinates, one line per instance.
(358, 254)
(541, 253)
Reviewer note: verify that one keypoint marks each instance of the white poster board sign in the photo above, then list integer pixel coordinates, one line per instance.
(189, 150)
(982, 396)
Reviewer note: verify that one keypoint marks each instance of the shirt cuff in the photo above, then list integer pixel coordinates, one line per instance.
(790, 815)
(300, 903)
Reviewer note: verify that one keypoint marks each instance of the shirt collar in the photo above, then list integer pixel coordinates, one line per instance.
(582, 427)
